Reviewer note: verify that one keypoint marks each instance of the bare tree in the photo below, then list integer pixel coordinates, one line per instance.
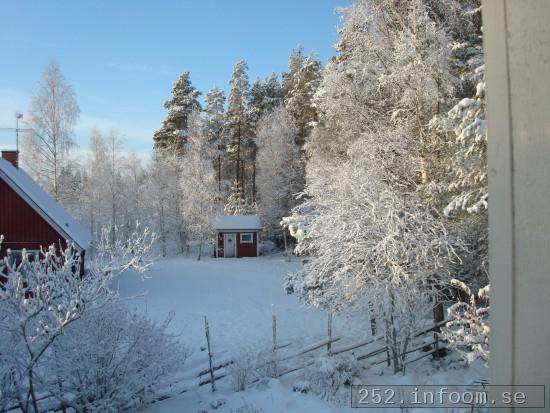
(53, 114)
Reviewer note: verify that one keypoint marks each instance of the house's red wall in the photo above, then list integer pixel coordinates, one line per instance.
(243, 250)
(247, 250)
(21, 226)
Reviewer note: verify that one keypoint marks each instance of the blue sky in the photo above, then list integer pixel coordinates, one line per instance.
(122, 56)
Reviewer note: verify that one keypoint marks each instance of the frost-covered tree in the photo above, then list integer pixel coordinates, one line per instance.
(369, 246)
(214, 127)
(369, 223)
(163, 204)
(52, 117)
(115, 166)
(237, 126)
(236, 202)
(134, 176)
(184, 101)
(94, 212)
(464, 195)
(279, 164)
(265, 96)
(103, 196)
(300, 84)
(201, 199)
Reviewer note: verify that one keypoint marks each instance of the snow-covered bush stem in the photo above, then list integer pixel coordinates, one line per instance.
(468, 332)
(115, 253)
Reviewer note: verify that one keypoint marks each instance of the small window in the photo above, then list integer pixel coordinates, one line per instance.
(246, 239)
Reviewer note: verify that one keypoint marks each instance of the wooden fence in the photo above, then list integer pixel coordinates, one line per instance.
(289, 361)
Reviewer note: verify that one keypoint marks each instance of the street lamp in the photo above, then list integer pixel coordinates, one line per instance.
(18, 115)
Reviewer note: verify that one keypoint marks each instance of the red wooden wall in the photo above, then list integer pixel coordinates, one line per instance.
(246, 250)
(243, 250)
(21, 226)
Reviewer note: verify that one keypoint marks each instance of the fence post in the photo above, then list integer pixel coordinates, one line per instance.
(207, 331)
(439, 316)
(329, 332)
(274, 327)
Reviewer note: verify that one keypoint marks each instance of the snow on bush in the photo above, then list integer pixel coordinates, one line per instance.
(328, 374)
(116, 358)
(242, 369)
(247, 408)
(469, 332)
(67, 337)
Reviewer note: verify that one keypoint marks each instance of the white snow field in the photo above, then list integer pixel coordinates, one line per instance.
(236, 295)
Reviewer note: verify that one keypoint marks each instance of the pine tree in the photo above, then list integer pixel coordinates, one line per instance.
(173, 133)
(265, 96)
(300, 84)
(238, 128)
(213, 128)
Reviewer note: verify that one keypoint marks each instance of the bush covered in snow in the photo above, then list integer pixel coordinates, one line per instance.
(247, 408)
(115, 358)
(328, 374)
(242, 369)
(67, 339)
(469, 332)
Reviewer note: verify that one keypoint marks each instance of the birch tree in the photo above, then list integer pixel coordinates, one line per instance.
(52, 117)
(372, 233)
(279, 166)
(200, 201)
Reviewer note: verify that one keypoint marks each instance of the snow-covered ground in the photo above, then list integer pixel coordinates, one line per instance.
(236, 295)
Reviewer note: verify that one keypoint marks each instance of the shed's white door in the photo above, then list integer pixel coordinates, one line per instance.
(229, 245)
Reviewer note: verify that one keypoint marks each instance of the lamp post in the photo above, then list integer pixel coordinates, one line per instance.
(18, 115)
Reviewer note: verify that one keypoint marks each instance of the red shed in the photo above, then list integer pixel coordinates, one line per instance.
(30, 218)
(237, 236)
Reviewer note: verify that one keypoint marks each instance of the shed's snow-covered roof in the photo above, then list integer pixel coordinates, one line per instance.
(235, 222)
(44, 204)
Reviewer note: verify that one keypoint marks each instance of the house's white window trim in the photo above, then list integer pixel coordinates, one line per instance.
(243, 241)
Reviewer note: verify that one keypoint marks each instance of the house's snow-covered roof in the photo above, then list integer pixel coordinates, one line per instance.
(44, 204)
(236, 222)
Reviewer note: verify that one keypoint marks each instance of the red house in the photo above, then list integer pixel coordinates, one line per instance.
(237, 236)
(30, 218)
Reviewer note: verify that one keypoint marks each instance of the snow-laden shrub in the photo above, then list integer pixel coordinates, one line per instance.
(247, 408)
(301, 386)
(468, 333)
(242, 369)
(268, 247)
(266, 364)
(44, 297)
(328, 374)
(112, 358)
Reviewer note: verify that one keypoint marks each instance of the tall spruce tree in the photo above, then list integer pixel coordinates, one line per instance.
(213, 128)
(238, 128)
(173, 133)
(265, 96)
(300, 84)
